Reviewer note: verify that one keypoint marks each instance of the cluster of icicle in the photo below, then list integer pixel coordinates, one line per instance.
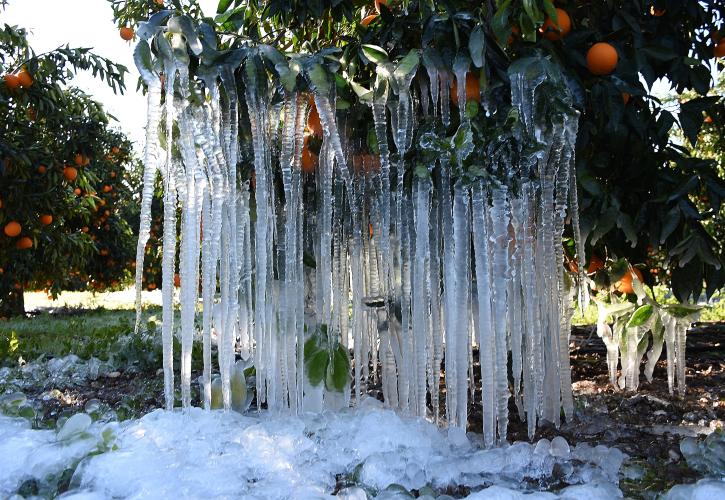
(410, 281)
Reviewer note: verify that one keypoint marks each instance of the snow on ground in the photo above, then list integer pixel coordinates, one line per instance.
(202, 454)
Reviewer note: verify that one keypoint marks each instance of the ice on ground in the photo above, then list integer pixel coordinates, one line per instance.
(26, 453)
(704, 489)
(216, 454)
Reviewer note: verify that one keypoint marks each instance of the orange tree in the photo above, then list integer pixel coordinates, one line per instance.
(62, 172)
(643, 197)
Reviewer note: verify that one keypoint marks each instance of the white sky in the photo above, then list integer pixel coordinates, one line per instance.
(88, 23)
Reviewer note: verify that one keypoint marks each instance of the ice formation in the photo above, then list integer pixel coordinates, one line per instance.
(412, 263)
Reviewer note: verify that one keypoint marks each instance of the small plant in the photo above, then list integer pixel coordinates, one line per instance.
(327, 360)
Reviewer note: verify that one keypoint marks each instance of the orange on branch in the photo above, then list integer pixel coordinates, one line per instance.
(177, 280)
(46, 219)
(624, 285)
(24, 243)
(368, 19)
(559, 29)
(42, 169)
(126, 33)
(25, 79)
(473, 89)
(656, 12)
(602, 59)
(12, 82)
(77, 191)
(70, 173)
(309, 159)
(13, 229)
(314, 125)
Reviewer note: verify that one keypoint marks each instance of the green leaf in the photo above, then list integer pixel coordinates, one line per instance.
(640, 316)
(316, 366)
(338, 372)
(682, 310)
(374, 53)
(223, 6)
(500, 22)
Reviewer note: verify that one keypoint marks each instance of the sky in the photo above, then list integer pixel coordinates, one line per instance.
(88, 23)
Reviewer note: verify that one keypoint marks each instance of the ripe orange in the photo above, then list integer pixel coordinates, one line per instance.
(115, 150)
(12, 82)
(313, 119)
(107, 188)
(626, 97)
(719, 49)
(84, 229)
(595, 264)
(126, 33)
(624, 285)
(378, 3)
(42, 169)
(24, 243)
(113, 175)
(559, 29)
(13, 229)
(602, 59)
(46, 219)
(77, 191)
(473, 89)
(70, 173)
(104, 252)
(79, 160)
(159, 2)
(656, 12)
(151, 286)
(368, 19)
(177, 280)
(309, 159)
(25, 79)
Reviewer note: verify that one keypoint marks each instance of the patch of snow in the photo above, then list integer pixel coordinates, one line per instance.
(704, 489)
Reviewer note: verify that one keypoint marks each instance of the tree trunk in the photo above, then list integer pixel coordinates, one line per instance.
(12, 303)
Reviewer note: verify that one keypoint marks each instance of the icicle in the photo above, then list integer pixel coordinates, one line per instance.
(421, 291)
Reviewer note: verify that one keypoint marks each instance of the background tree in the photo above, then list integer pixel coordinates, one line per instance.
(637, 186)
(62, 170)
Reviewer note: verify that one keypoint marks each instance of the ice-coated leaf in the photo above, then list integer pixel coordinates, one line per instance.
(682, 310)
(184, 26)
(149, 28)
(74, 426)
(477, 46)
(641, 316)
(408, 65)
(318, 78)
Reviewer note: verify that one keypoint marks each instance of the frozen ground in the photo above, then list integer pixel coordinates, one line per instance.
(227, 455)
(356, 454)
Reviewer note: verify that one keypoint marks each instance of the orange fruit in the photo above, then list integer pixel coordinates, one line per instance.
(626, 97)
(126, 33)
(31, 114)
(107, 188)
(84, 229)
(656, 12)
(104, 252)
(77, 191)
(595, 264)
(70, 173)
(113, 175)
(719, 49)
(368, 19)
(559, 29)
(46, 219)
(24, 78)
(473, 89)
(602, 59)
(115, 150)
(708, 119)
(159, 2)
(42, 169)
(12, 82)
(79, 160)
(24, 243)
(313, 119)
(309, 159)
(378, 3)
(177, 280)
(151, 286)
(624, 285)
(13, 229)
